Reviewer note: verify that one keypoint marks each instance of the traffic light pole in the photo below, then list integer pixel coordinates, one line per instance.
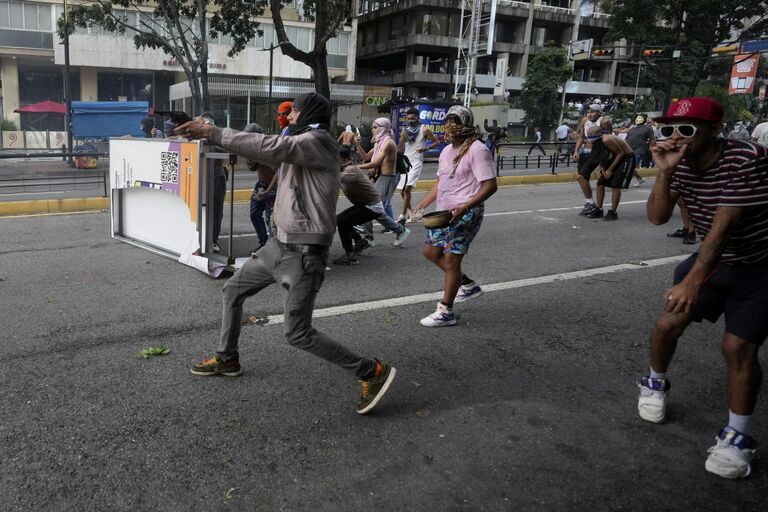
(670, 77)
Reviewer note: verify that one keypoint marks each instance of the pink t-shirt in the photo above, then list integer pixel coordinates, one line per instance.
(475, 166)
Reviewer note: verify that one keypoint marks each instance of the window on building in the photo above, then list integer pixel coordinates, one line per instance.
(125, 87)
(16, 15)
(304, 39)
(433, 24)
(39, 83)
(399, 28)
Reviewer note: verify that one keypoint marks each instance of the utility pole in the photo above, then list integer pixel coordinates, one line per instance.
(67, 89)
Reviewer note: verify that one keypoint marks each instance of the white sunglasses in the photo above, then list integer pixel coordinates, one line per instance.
(684, 130)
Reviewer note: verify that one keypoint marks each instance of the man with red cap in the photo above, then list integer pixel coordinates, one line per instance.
(724, 185)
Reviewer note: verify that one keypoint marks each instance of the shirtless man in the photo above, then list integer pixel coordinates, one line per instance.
(347, 138)
(616, 166)
(382, 165)
(588, 132)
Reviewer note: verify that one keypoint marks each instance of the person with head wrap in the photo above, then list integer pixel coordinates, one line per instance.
(465, 180)
(264, 192)
(382, 163)
(415, 140)
(305, 215)
(283, 111)
(639, 137)
(149, 128)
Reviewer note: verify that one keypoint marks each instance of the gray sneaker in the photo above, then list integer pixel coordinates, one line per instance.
(400, 238)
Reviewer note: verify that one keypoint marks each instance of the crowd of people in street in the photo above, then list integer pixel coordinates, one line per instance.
(721, 185)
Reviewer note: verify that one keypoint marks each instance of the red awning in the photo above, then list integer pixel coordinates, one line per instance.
(44, 107)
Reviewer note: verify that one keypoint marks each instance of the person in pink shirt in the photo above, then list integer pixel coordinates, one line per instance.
(465, 179)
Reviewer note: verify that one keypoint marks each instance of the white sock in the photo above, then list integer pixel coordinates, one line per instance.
(658, 375)
(739, 422)
(591, 201)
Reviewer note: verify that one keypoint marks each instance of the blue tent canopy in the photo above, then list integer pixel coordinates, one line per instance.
(104, 119)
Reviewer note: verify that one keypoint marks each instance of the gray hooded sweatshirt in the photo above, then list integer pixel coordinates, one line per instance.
(308, 178)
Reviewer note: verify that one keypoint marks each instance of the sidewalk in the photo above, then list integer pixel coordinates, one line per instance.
(51, 168)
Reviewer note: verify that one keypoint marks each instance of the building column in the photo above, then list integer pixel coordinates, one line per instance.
(89, 84)
(9, 74)
(527, 41)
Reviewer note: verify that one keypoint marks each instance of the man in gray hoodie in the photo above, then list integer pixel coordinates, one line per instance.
(305, 215)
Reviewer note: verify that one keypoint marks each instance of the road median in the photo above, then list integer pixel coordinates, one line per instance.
(82, 204)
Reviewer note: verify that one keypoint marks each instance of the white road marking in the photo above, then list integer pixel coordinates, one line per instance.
(493, 287)
(565, 208)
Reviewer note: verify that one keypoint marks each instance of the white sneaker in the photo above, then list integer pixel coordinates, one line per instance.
(442, 317)
(468, 292)
(400, 237)
(216, 247)
(731, 454)
(651, 404)
(640, 182)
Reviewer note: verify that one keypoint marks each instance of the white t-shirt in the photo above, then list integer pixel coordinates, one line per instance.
(760, 133)
(562, 131)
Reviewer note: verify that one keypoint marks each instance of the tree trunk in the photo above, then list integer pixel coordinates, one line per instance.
(320, 70)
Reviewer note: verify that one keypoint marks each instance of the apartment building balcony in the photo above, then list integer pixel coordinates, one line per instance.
(423, 78)
(514, 48)
(369, 10)
(420, 41)
(511, 8)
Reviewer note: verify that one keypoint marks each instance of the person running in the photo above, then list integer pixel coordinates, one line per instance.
(412, 144)
(220, 177)
(561, 133)
(366, 206)
(639, 138)
(589, 131)
(537, 142)
(616, 166)
(465, 180)
(295, 259)
(724, 184)
(382, 162)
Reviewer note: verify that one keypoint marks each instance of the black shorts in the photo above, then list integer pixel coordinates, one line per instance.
(587, 165)
(622, 174)
(739, 291)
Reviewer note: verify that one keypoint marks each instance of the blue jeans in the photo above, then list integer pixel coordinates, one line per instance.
(261, 212)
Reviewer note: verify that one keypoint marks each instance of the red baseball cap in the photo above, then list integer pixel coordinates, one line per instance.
(698, 108)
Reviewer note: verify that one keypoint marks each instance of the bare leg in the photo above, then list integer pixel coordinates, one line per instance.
(586, 189)
(668, 329)
(600, 196)
(744, 373)
(615, 198)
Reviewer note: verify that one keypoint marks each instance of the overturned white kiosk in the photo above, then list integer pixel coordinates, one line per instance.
(161, 199)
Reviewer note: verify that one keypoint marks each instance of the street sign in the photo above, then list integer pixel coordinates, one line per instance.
(580, 50)
(756, 45)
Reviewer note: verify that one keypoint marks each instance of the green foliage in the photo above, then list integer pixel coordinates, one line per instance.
(735, 106)
(180, 28)
(8, 125)
(547, 72)
(694, 26)
(154, 351)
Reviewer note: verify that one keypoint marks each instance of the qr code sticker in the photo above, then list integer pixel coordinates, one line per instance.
(169, 167)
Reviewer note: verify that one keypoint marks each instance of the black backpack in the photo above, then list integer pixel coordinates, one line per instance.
(403, 164)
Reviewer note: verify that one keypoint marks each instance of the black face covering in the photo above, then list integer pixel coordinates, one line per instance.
(313, 109)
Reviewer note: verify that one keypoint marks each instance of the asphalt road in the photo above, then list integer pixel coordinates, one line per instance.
(528, 404)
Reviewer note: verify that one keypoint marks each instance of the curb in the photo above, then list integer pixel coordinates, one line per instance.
(82, 204)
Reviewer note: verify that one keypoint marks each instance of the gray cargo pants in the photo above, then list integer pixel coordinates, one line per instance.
(300, 276)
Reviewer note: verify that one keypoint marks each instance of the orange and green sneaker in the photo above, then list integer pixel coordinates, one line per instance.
(372, 390)
(215, 366)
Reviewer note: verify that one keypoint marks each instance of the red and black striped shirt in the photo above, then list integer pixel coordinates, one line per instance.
(739, 178)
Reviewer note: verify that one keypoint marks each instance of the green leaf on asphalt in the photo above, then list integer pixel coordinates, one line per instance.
(154, 351)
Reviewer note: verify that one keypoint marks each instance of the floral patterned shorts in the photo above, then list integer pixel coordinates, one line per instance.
(455, 239)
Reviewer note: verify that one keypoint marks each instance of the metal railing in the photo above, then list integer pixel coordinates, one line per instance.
(68, 180)
(560, 157)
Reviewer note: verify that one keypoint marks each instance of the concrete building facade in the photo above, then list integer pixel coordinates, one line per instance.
(412, 44)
